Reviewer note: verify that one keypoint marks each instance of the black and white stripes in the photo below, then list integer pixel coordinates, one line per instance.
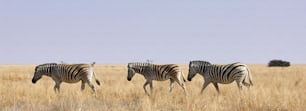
(69, 73)
(212, 73)
(157, 72)
(224, 74)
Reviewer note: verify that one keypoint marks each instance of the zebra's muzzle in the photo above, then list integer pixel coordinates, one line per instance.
(129, 79)
(33, 81)
(189, 79)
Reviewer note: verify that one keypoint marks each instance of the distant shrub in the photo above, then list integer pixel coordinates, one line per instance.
(278, 63)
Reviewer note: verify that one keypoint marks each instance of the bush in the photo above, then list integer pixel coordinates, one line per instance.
(278, 63)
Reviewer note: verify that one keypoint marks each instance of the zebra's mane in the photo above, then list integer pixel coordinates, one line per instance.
(199, 62)
(46, 65)
(138, 64)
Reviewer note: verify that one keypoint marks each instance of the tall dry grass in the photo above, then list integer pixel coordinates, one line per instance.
(276, 89)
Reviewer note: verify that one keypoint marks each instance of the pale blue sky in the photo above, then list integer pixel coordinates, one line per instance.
(165, 31)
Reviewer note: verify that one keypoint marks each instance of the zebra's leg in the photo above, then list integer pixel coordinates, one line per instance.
(185, 89)
(204, 86)
(171, 84)
(83, 85)
(92, 87)
(144, 87)
(246, 84)
(57, 87)
(182, 85)
(151, 87)
(217, 87)
(239, 84)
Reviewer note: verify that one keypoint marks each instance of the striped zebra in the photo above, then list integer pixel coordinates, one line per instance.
(224, 74)
(69, 73)
(157, 72)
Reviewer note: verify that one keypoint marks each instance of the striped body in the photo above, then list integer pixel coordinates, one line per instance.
(69, 73)
(224, 74)
(157, 72)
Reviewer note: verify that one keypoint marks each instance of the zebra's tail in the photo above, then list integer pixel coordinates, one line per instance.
(92, 64)
(94, 74)
(97, 81)
(250, 77)
(183, 77)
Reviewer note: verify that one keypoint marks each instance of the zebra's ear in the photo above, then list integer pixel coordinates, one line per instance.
(35, 68)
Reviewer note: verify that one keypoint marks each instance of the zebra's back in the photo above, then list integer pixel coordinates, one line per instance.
(72, 73)
(227, 73)
(161, 72)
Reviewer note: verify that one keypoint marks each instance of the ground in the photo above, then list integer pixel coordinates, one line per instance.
(277, 89)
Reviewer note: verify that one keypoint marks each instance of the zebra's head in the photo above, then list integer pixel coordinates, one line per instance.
(131, 72)
(37, 74)
(196, 67)
(41, 70)
(137, 67)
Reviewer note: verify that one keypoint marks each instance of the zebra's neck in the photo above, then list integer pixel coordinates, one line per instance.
(141, 69)
(138, 70)
(48, 70)
(202, 69)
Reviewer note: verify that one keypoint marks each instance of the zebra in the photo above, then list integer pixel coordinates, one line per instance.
(224, 74)
(69, 73)
(157, 72)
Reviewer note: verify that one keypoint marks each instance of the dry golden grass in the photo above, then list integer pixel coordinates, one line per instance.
(276, 89)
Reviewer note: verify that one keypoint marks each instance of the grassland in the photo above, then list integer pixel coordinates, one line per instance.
(275, 89)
